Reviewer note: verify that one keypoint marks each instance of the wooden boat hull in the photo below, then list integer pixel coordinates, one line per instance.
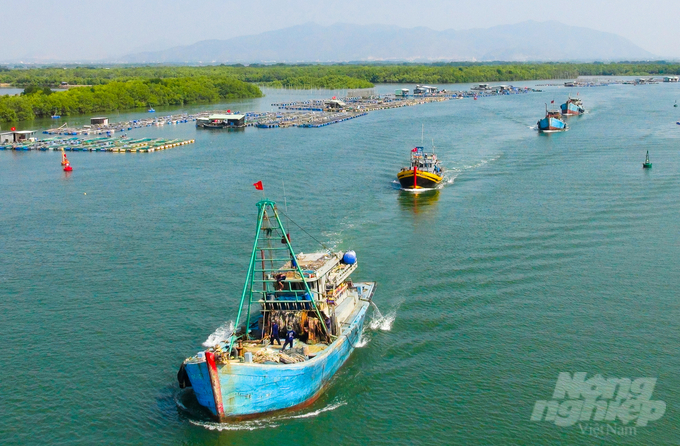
(423, 180)
(247, 390)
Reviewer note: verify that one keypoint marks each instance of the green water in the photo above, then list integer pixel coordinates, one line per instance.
(542, 254)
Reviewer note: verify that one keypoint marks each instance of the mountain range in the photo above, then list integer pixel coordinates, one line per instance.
(521, 42)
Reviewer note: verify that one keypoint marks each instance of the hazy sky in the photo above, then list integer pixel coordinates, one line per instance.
(69, 29)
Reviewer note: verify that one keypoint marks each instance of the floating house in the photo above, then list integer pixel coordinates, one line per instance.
(99, 121)
(403, 92)
(219, 121)
(335, 104)
(424, 89)
(16, 136)
(671, 78)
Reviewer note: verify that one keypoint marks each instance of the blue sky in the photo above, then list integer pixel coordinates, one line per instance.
(69, 29)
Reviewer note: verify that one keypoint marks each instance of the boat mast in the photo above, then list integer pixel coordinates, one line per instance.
(272, 229)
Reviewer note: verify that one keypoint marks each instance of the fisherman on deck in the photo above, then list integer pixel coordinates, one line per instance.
(290, 336)
(275, 334)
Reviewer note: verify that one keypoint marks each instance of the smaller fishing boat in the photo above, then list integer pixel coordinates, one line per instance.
(552, 122)
(572, 107)
(151, 110)
(647, 164)
(425, 171)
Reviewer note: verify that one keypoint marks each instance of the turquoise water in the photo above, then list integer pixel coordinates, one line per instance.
(542, 254)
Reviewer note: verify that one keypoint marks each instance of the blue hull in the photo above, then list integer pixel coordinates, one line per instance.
(249, 389)
(571, 109)
(551, 124)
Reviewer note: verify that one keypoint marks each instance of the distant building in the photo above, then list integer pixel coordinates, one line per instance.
(218, 121)
(335, 104)
(99, 121)
(402, 92)
(424, 89)
(16, 136)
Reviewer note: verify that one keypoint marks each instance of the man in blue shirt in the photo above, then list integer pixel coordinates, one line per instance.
(290, 335)
(275, 334)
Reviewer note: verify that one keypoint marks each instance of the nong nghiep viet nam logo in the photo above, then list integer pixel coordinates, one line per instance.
(576, 399)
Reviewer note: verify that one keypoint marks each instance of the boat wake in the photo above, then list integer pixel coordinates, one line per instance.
(265, 423)
(364, 339)
(383, 323)
(222, 334)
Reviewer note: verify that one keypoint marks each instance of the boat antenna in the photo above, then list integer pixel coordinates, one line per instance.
(285, 205)
(310, 235)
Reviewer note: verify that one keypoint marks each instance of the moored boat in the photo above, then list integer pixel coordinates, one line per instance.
(309, 295)
(552, 122)
(573, 106)
(424, 172)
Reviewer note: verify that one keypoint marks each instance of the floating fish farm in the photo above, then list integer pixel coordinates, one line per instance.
(104, 144)
(305, 114)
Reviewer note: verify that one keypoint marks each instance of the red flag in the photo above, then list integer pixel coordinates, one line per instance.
(415, 149)
(552, 102)
(258, 185)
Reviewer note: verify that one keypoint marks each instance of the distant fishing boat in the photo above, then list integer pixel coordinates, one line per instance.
(56, 116)
(308, 295)
(552, 122)
(572, 107)
(647, 164)
(151, 110)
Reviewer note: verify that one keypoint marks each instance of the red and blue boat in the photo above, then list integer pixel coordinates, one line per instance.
(552, 122)
(247, 374)
(573, 106)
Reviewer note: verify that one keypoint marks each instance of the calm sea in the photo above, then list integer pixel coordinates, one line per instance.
(542, 254)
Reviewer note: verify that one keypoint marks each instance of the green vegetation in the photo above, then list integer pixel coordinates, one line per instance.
(36, 101)
(119, 88)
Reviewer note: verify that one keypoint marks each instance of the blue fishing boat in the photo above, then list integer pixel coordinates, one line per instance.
(247, 373)
(572, 107)
(552, 122)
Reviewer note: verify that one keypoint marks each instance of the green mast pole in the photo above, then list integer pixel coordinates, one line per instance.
(299, 270)
(261, 206)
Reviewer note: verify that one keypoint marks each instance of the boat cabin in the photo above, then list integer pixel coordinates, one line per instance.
(671, 79)
(403, 92)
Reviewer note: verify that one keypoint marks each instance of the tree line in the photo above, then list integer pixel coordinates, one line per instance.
(37, 101)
